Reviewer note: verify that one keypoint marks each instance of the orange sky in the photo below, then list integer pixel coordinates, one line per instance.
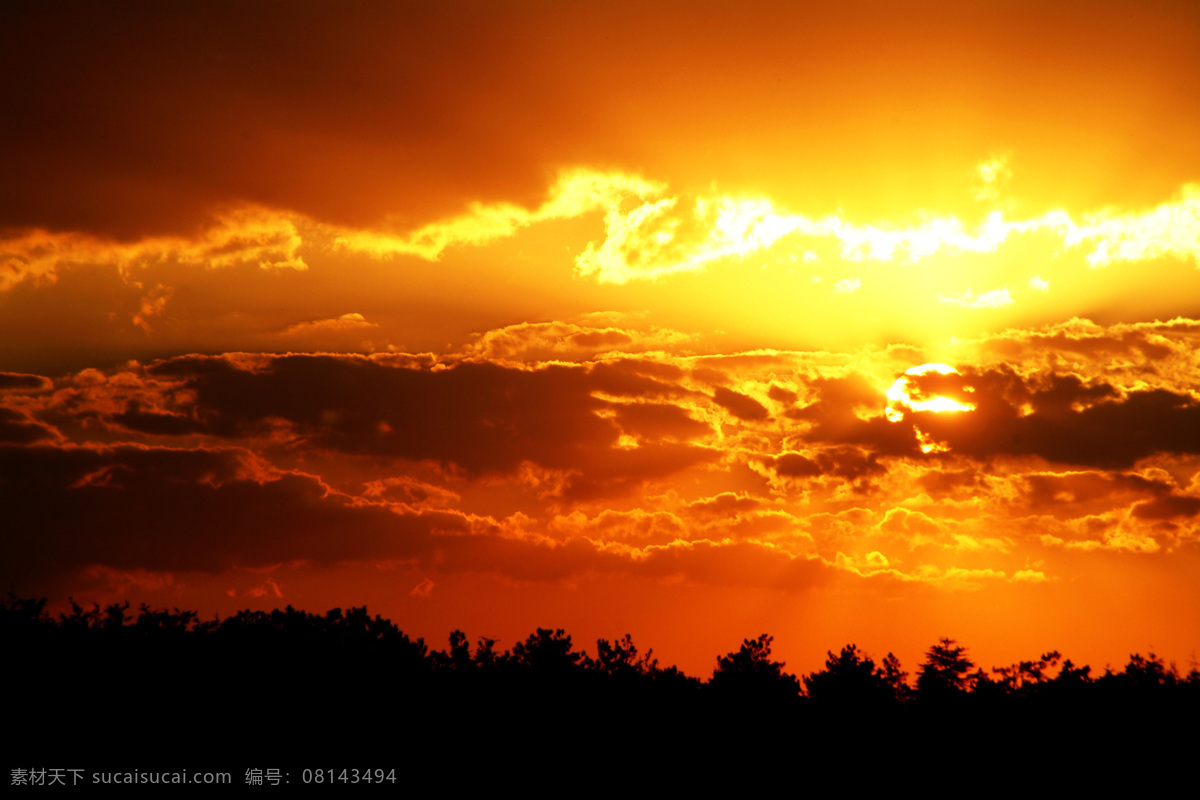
(611, 317)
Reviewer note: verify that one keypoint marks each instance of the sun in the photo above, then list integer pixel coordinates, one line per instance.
(904, 396)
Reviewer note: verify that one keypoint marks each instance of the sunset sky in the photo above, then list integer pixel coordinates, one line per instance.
(866, 322)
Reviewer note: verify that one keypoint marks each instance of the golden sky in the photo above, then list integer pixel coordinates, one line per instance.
(864, 322)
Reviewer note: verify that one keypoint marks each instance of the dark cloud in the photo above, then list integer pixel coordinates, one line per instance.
(1080, 490)
(1140, 342)
(737, 564)
(17, 427)
(156, 423)
(1168, 507)
(483, 418)
(658, 420)
(849, 463)
(620, 471)
(781, 395)
(835, 418)
(166, 509)
(795, 465)
(1059, 417)
(1063, 419)
(410, 491)
(944, 482)
(725, 504)
(636, 377)
(740, 405)
(16, 381)
(212, 510)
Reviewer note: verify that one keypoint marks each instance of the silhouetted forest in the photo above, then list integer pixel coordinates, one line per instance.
(109, 683)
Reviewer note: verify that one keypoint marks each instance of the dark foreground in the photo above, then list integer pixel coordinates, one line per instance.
(285, 702)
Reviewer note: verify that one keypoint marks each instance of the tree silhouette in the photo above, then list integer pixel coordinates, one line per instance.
(896, 678)
(851, 679)
(750, 672)
(621, 660)
(547, 653)
(945, 673)
(339, 671)
(1026, 678)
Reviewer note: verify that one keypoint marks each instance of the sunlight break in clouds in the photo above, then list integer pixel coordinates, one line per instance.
(668, 236)
(575, 192)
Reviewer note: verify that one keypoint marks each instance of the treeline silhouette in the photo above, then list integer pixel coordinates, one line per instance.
(106, 682)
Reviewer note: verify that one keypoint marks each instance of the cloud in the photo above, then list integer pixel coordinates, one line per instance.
(637, 527)
(1171, 229)
(550, 471)
(847, 463)
(411, 492)
(346, 322)
(725, 504)
(1133, 355)
(175, 509)
(546, 341)
(574, 193)
(991, 176)
(1078, 494)
(244, 235)
(680, 235)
